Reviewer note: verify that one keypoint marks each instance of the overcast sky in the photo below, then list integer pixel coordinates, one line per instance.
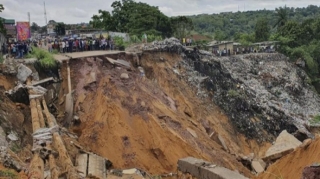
(76, 11)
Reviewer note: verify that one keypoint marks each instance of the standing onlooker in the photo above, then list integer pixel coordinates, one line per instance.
(50, 47)
(14, 50)
(66, 46)
(111, 44)
(70, 46)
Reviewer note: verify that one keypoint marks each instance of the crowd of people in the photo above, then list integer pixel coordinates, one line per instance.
(77, 45)
(187, 41)
(17, 49)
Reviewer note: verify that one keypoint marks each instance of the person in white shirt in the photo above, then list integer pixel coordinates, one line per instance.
(63, 44)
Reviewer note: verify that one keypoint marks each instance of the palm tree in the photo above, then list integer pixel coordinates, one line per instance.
(282, 17)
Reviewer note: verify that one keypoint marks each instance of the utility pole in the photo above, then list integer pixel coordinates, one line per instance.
(29, 17)
(45, 14)
(29, 25)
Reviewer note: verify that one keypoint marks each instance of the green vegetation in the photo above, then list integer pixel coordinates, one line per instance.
(232, 24)
(182, 26)
(315, 120)
(15, 148)
(1, 58)
(60, 29)
(297, 31)
(137, 18)
(301, 40)
(119, 43)
(233, 93)
(262, 30)
(45, 59)
(8, 173)
(55, 51)
(2, 29)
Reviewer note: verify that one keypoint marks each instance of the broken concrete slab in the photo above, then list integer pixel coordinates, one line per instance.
(39, 82)
(35, 76)
(23, 73)
(97, 166)
(13, 137)
(129, 171)
(123, 62)
(82, 161)
(91, 78)
(203, 169)
(37, 90)
(258, 166)
(124, 76)
(68, 109)
(192, 132)
(285, 143)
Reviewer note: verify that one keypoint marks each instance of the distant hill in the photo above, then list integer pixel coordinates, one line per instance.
(244, 22)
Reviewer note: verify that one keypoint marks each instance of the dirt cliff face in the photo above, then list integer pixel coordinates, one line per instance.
(151, 121)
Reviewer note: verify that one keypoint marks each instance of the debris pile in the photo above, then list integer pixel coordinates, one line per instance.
(10, 161)
(202, 169)
(259, 92)
(167, 45)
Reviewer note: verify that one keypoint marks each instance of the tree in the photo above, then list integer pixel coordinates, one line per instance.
(282, 17)
(34, 27)
(182, 26)
(133, 17)
(43, 30)
(102, 21)
(2, 29)
(262, 30)
(220, 35)
(60, 29)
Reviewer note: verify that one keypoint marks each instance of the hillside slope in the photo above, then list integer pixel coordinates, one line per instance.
(150, 122)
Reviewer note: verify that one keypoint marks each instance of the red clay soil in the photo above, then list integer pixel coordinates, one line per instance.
(7, 82)
(142, 122)
(291, 166)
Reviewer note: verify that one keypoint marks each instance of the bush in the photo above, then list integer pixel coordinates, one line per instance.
(302, 52)
(55, 51)
(119, 42)
(233, 93)
(45, 58)
(1, 59)
(8, 174)
(315, 120)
